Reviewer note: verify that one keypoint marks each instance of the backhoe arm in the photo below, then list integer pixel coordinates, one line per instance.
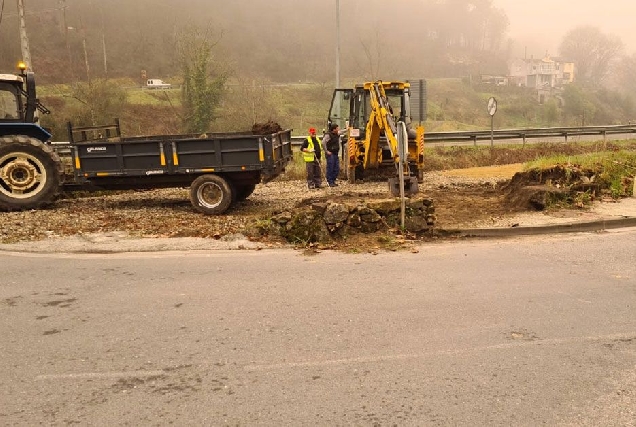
(381, 119)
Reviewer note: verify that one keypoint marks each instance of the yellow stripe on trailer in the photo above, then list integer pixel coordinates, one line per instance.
(102, 174)
(162, 155)
(175, 157)
(261, 152)
(77, 162)
(208, 170)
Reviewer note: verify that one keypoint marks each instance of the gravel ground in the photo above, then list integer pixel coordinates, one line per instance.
(168, 213)
(116, 221)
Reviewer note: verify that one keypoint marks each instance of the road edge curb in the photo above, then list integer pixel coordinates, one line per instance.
(580, 227)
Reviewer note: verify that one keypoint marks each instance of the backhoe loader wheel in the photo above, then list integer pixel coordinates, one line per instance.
(30, 173)
(211, 194)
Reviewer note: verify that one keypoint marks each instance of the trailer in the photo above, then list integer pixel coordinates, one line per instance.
(219, 168)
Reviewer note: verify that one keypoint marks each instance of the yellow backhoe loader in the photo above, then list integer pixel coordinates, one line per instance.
(369, 113)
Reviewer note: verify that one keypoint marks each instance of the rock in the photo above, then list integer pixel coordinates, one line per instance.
(354, 220)
(335, 213)
(307, 227)
(370, 227)
(384, 207)
(282, 218)
(415, 204)
(319, 206)
(416, 224)
(370, 216)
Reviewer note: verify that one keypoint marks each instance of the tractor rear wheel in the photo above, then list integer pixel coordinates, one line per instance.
(30, 173)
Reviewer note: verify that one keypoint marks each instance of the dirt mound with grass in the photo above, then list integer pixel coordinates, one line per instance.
(538, 189)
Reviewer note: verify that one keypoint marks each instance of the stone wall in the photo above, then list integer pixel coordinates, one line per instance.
(325, 221)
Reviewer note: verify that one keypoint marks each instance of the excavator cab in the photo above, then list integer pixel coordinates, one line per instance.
(341, 107)
(351, 108)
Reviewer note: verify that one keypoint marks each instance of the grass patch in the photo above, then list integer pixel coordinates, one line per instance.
(614, 170)
(460, 157)
(154, 97)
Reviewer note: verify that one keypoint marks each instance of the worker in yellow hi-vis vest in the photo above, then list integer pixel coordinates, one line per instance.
(312, 155)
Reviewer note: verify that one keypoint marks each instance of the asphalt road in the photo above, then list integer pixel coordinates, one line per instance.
(526, 331)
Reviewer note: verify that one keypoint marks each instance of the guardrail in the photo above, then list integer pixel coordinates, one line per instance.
(517, 134)
(485, 135)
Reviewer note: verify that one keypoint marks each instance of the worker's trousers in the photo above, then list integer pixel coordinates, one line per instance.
(314, 178)
(333, 168)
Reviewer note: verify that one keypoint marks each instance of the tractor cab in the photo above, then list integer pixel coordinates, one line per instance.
(19, 105)
(10, 98)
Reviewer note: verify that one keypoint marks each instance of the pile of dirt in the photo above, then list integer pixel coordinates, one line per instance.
(537, 189)
(266, 128)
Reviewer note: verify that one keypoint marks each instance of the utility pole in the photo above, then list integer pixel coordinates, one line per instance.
(337, 44)
(88, 68)
(66, 40)
(24, 40)
(101, 13)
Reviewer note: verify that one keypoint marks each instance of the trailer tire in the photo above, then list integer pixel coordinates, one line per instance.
(31, 173)
(211, 194)
(242, 192)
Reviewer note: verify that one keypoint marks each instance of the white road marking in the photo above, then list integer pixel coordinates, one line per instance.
(395, 357)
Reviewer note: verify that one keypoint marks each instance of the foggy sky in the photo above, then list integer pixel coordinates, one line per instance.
(539, 25)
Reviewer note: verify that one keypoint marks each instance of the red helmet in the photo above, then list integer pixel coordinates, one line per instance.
(312, 130)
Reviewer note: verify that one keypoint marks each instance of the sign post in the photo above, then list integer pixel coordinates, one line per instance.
(402, 137)
(492, 109)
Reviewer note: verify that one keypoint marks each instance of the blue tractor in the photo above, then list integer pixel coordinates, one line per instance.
(31, 172)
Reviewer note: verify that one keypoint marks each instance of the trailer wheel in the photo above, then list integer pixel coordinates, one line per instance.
(210, 194)
(242, 192)
(30, 173)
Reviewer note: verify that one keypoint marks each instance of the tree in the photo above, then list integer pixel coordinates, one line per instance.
(626, 74)
(202, 87)
(592, 52)
(577, 104)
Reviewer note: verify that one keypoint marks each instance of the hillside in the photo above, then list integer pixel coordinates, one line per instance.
(453, 104)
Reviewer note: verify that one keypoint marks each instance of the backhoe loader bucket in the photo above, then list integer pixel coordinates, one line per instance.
(410, 186)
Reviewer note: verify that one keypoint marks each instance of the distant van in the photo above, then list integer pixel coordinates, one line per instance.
(157, 84)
